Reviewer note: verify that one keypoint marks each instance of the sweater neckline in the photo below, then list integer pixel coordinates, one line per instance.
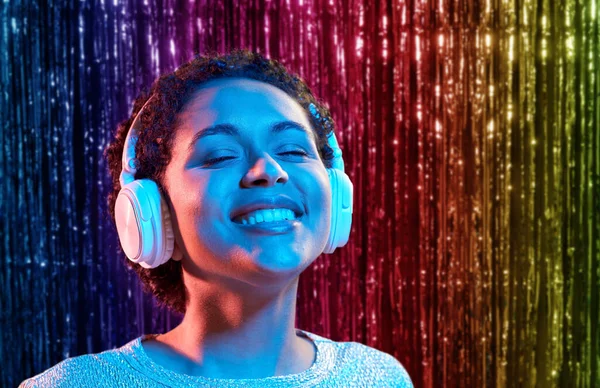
(316, 372)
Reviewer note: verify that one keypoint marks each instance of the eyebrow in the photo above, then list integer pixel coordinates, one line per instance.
(231, 130)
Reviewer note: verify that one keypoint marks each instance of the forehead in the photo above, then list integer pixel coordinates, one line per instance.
(241, 102)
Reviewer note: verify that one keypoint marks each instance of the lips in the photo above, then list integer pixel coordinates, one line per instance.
(271, 202)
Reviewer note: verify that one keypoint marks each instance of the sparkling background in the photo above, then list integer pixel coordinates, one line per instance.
(470, 131)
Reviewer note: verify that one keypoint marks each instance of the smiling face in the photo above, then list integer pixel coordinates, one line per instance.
(257, 130)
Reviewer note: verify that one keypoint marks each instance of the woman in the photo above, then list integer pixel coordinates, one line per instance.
(235, 203)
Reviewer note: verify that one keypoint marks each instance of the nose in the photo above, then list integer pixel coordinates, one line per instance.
(264, 172)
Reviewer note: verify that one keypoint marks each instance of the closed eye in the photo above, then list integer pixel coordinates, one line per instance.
(223, 158)
(217, 160)
(296, 152)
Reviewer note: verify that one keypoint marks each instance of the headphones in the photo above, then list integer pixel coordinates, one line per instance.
(144, 222)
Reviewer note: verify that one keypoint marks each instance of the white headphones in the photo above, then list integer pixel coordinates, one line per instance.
(144, 223)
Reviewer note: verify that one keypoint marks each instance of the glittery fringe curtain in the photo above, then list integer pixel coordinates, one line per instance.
(469, 129)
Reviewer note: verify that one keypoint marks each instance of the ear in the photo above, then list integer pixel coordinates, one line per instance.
(177, 254)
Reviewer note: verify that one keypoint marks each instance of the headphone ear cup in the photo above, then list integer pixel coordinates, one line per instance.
(128, 219)
(167, 226)
(141, 224)
(341, 209)
(162, 231)
(329, 248)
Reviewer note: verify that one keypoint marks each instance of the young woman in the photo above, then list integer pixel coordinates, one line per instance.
(231, 185)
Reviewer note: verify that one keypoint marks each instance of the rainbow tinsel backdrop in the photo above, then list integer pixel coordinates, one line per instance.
(469, 128)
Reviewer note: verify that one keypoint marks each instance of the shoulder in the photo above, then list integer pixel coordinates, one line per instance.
(354, 364)
(72, 372)
(102, 368)
(378, 367)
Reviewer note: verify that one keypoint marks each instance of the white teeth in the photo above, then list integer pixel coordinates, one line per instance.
(259, 216)
(266, 215)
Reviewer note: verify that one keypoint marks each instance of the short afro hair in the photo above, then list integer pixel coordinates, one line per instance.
(153, 149)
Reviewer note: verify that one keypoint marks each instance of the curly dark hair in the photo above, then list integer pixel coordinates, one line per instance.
(153, 149)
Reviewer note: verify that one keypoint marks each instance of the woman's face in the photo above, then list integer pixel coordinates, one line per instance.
(260, 164)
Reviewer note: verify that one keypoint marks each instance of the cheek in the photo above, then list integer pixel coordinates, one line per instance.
(191, 200)
(209, 201)
(319, 192)
(198, 213)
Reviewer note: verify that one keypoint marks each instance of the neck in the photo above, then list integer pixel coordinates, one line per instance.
(239, 333)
